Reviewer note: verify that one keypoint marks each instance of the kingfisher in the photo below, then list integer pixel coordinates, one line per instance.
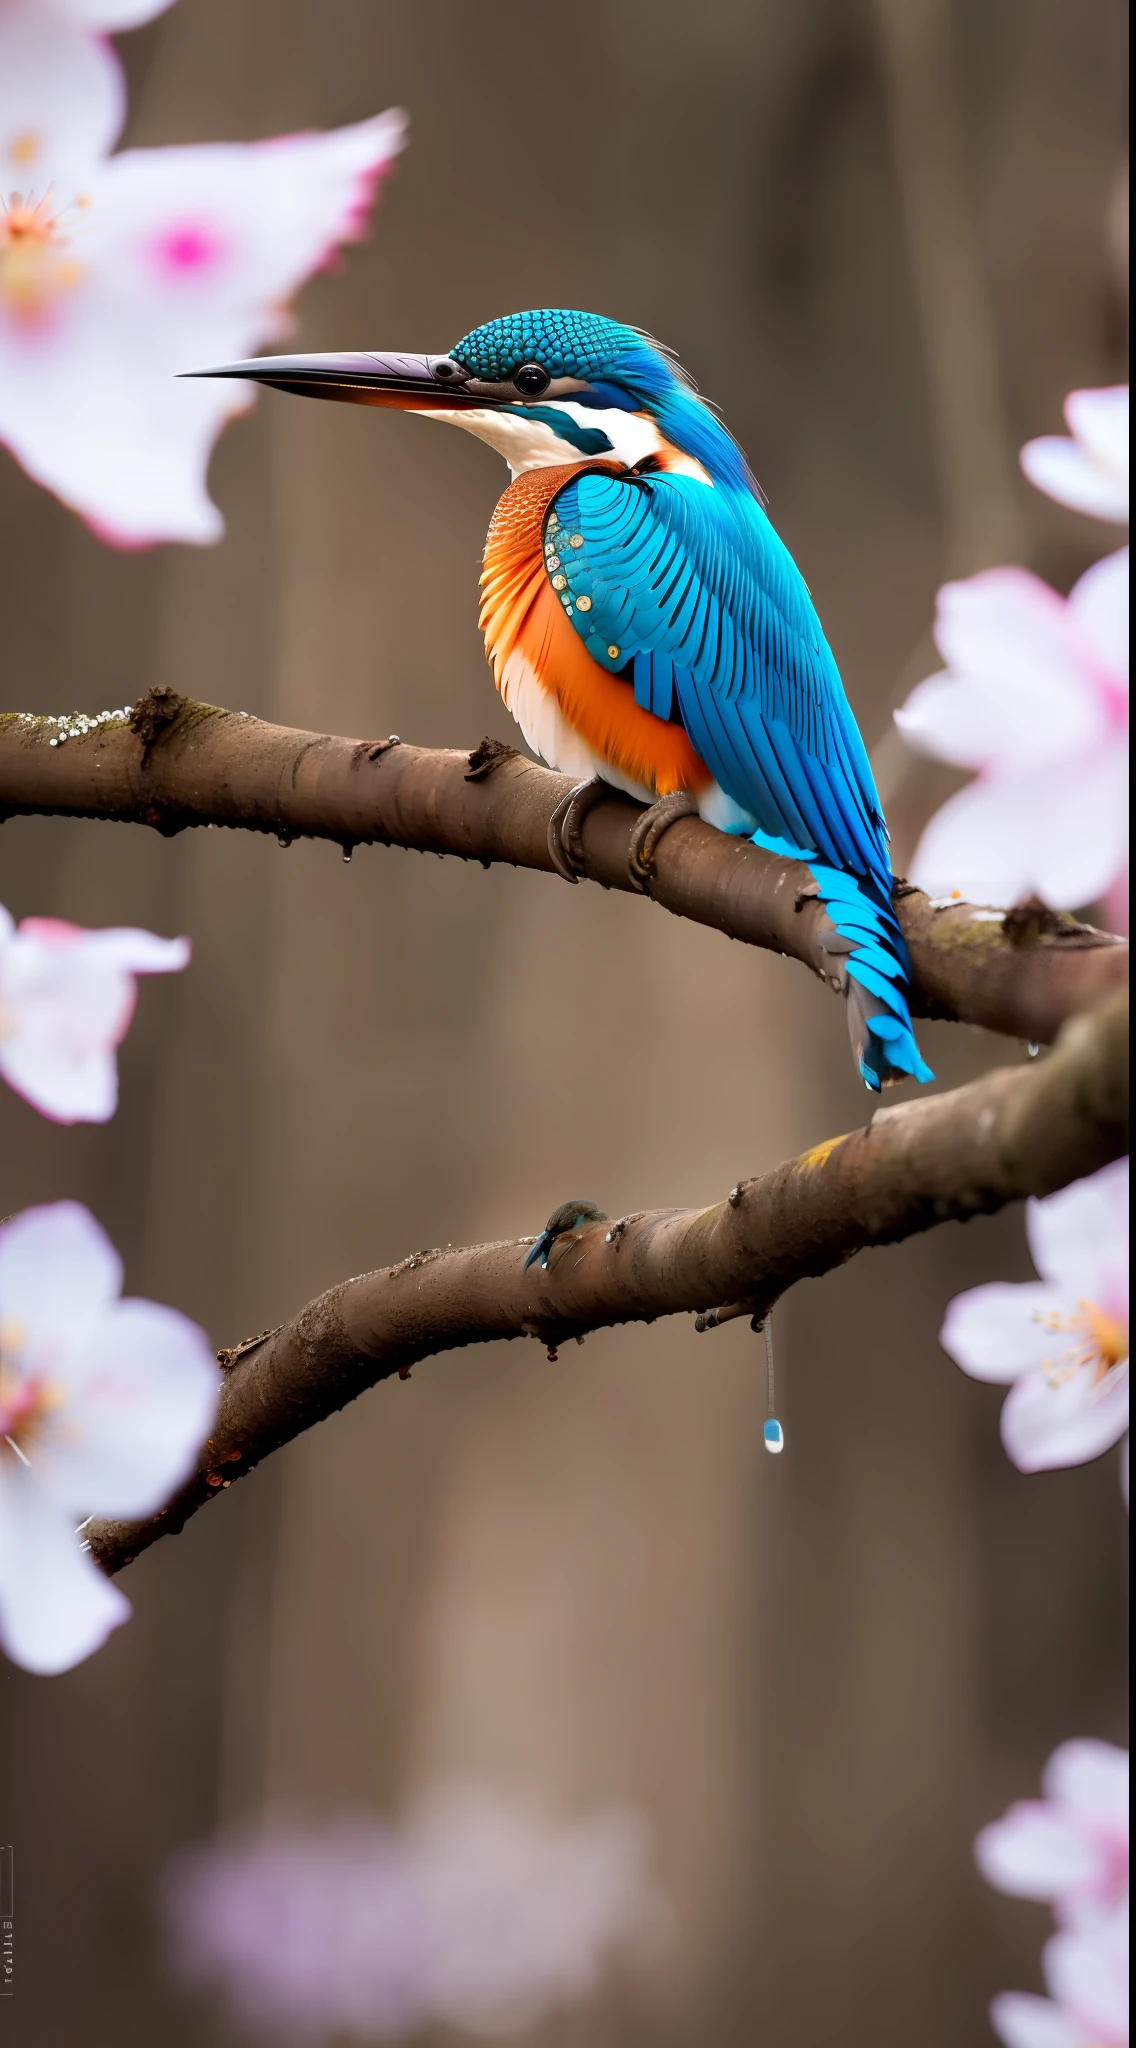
(647, 627)
(563, 1221)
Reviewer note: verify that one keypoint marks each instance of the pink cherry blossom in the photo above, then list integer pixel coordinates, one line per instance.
(477, 1912)
(118, 272)
(1086, 1971)
(1071, 1846)
(103, 1407)
(1061, 1343)
(66, 999)
(1035, 699)
(1089, 472)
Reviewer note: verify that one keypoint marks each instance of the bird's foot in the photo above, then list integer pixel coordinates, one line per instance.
(565, 845)
(648, 829)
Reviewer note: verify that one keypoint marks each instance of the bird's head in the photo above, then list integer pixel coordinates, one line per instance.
(542, 387)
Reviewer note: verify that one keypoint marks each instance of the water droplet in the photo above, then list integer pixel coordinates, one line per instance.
(347, 852)
(774, 1436)
(1032, 1050)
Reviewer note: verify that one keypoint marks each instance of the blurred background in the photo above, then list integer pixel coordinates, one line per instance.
(887, 238)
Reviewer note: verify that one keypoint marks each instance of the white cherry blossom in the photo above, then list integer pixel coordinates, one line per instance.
(1035, 699)
(1061, 1343)
(66, 999)
(103, 1406)
(119, 272)
(1071, 1846)
(1086, 1971)
(1090, 471)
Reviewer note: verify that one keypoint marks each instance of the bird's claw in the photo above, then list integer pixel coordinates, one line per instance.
(565, 844)
(648, 829)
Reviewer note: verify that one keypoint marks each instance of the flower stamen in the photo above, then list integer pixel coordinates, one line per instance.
(26, 1399)
(1102, 1345)
(34, 265)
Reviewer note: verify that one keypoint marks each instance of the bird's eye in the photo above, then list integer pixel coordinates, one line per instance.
(446, 370)
(531, 379)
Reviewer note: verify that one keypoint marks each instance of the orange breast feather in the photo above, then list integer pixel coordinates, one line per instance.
(519, 612)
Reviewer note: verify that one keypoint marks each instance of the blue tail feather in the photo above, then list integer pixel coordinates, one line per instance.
(875, 962)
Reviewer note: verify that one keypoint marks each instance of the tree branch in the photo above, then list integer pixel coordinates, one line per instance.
(174, 763)
(1019, 1131)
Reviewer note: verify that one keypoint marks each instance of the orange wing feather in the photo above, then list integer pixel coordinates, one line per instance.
(520, 611)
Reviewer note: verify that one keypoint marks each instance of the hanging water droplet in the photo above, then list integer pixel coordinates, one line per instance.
(347, 852)
(773, 1436)
(1032, 1050)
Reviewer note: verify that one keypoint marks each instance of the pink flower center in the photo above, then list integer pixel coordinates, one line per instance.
(25, 1398)
(34, 264)
(187, 249)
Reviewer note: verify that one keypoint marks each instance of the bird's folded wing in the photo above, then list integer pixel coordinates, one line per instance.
(688, 589)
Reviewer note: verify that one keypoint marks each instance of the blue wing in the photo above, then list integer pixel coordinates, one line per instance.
(687, 589)
(692, 587)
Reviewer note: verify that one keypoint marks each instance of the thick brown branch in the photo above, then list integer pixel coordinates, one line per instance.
(177, 763)
(1019, 1131)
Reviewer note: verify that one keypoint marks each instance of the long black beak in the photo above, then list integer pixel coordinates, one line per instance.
(414, 383)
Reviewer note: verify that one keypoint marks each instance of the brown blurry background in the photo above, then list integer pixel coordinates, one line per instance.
(885, 239)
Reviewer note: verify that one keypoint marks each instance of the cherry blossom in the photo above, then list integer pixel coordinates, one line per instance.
(118, 272)
(66, 999)
(1071, 1846)
(103, 1406)
(477, 1912)
(1089, 472)
(1061, 1343)
(1035, 699)
(1086, 1971)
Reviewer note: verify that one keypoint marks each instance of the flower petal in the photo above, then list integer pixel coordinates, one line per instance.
(966, 720)
(1010, 630)
(130, 951)
(67, 997)
(974, 845)
(1086, 803)
(62, 102)
(143, 1397)
(110, 16)
(59, 1273)
(1059, 834)
(1022, 2021)
(1034, 1853)
(1086, 1969)
(1090, 1779)
(1046, 1425)
(1099, 603)
(1099, 419)
(999, 1331)
(55, 1605)
(188, 257)
(1090, 473)
(1078, 1237)
(1068, 473)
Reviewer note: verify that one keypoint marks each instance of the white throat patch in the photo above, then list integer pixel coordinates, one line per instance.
(530, 443)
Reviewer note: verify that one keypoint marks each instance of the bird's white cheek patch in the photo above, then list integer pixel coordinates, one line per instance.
(525, 443)
(529, 443)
